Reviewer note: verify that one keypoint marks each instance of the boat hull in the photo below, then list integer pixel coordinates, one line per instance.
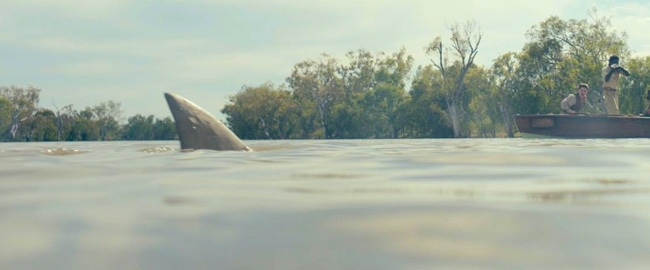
(584, 126)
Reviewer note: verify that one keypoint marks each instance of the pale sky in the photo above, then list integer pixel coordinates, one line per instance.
(84, 52)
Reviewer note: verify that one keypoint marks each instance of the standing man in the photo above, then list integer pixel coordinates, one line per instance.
(574, 103)
(610, 87)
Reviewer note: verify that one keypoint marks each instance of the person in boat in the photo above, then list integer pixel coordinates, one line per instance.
(610, 86)
(578, 103)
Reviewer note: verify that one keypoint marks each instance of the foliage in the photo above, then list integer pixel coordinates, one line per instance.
(106, 116)
(424, 115)
(22, 121)
(21, 106)
(465, 41)
(263, 112)
(632, 99)
(143, 128)
(5, 115)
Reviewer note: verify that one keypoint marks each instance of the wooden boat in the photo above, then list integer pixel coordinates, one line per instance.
(584, 126)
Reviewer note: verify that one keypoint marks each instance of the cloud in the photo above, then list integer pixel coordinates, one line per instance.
(90, 68)
(183, 59)
(213, 66)
(150, 47)
(338, 26)
(247, 66)
(634, 20)
(73, 8)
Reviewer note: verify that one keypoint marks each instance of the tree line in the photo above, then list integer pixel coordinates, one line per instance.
(21, 120)
(367, 95)
(382, 95)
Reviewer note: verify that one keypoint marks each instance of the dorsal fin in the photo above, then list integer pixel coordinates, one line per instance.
(198, 129)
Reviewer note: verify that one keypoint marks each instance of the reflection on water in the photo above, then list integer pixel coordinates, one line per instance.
(353, 204)
(61, 152)
(583, 196)
(323, 176)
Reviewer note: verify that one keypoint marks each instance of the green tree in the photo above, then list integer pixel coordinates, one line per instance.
(22, 104)
(465, 41)
(482, 118)
(261, 112)
(318, 85)
(5, 116)
(107, 116)
(65, 118)
(83, 127)
(423, 115)
(164, 129)
(139, 128)
(41, 127)
(353, 114)
(373, 90)
(390, 93)
(634, 89)
(504, 79)
(358, 76)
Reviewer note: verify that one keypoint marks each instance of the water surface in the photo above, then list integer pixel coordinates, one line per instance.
(336, 204)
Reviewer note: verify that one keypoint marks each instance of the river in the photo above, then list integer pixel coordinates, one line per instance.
(327, 204)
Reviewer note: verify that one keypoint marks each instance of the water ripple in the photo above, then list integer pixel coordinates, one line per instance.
(156, 150)
(62, 152)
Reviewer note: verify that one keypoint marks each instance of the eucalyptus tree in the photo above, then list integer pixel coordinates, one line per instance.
(423, 115)
(505, 87)
(5, 116)
(358, 75)
(483, 116)
(262, 112)
(633, 98)
(64, 121)
(22, 104)
(465, 41)
(138, 127)
(390, 91)
(84, 127)
(164, 129)
(351, 115)
(40, 127)
(107, 116)
(318, 84)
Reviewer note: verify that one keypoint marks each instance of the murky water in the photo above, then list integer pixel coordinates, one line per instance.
(353, 204)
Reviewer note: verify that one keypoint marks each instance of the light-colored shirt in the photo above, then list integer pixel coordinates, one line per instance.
(571, 100)
(612, 84)
(567, 102)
